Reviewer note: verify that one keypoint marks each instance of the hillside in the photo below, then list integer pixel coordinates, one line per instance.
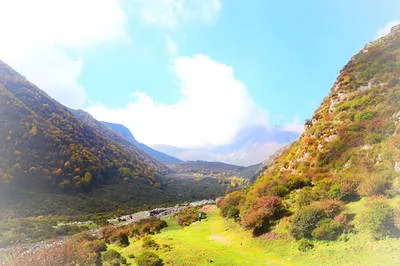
(126, 133)
(57, 161)
(348, 151)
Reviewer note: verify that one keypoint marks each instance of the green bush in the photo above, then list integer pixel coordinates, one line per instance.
(304, 245)
(378, 218)
(375, 185)
(147, 226)
(230, 204)
(397, 218)
(306, 196)
(112, 257)
(148, 242)
(190, 215)
(305, 221)
(366, 115)
(149, 258)
(327, 229)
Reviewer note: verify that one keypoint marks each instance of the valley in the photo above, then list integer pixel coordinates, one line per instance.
(79, 190)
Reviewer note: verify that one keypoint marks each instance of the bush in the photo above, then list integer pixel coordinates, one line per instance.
(230, 204)
(190, 215)
(263, 213)
(327, 229)
(305, 221)
(304, 245)
(306, 196)
(112, 257)
(378, 218)
(147, 226)
(397, 218)
(376, 185)
(148, 242)
(330, 207)
(148, 258)
(366, 115)
(120, 237)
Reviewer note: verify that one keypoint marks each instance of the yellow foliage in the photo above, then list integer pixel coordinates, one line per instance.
(33, 131)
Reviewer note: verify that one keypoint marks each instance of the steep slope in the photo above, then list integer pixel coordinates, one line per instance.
(52, 162)
(40, 136)
(117, 138)
(126, 133)
(349, 149)
(354, 134)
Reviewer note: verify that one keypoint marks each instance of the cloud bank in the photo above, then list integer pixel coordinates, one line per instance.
(39, 37)
(213, 106)
(172, 13)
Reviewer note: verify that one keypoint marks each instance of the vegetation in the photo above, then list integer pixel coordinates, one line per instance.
(349, 150)
(189, 215)
(378, 218)
(223, 242)
(112, 257)
(148, 258)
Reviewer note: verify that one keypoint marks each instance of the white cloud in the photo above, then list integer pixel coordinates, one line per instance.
(214, 106)
(386, 29)
(171, 13)
(295, 126)
(38, 36)
(171, 46)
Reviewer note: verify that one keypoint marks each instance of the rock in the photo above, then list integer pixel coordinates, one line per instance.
(397, 166)
(331, 138)
(367, 147)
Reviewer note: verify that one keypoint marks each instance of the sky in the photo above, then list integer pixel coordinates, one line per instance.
(190, 73)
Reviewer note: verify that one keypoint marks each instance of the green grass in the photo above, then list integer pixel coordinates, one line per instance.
(225, 243)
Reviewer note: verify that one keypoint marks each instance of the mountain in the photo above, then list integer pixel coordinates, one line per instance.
(251, 146)
(350, 147)
(214, 169)
(54, 160)
(126, 133)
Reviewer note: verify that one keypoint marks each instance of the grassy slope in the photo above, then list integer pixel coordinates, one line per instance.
(226, 243)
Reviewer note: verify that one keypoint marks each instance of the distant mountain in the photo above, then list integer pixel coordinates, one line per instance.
(215, 169)
(126, 133)
(251, 146)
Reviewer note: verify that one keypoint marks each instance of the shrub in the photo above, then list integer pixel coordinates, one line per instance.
(112, 257)
(327, 229)
(190, 215)
(148, 258)
(297, 182)
(366, 115)
(263, 213)
(305, 196)
(330, 207)
(147, 226)
(230, 204)
(397, 218)
(148, 242)
(378, 218)
(376, 185)
(304, 245)
(120, 237)
(305, 221)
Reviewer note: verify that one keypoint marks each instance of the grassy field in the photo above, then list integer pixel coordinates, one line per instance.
(220, 242)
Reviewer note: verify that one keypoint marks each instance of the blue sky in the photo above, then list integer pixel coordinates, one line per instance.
(156, 65)
(287, 53)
